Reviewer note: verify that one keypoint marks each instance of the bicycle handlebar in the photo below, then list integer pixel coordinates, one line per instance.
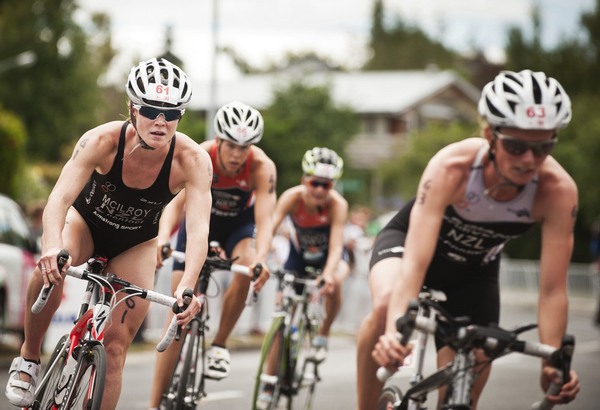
(493, 340)
(81, 273)
(223, 264)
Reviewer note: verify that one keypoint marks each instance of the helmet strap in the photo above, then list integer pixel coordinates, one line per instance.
(493, 190)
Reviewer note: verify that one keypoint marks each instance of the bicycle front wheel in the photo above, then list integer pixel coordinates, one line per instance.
(44, 397)
(273, 349)
(87, 387)
(187, 379)
(390, 398)
(305, 368)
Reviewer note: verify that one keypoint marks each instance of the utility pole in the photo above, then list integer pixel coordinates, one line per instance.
(212, 93)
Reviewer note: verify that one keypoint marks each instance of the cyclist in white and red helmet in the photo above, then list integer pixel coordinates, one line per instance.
(108, 201)
(474, 196)
(243, 199)
(317, 215)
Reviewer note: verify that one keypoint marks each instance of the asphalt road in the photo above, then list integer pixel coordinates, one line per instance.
(513, 383)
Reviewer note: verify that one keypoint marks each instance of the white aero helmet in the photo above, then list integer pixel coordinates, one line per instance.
(527, 100)
(159, 83)
(322, 163)
(239, 123)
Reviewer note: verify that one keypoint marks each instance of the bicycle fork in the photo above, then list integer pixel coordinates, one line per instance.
(458, 393)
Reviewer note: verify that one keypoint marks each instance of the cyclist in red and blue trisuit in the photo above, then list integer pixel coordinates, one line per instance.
(318, 214)
(243, 199)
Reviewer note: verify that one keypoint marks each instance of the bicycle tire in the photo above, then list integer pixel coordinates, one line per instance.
(86, 389)
(275, 335)
(389, 399)
(186, 383)
(44, 397)
(304, 368)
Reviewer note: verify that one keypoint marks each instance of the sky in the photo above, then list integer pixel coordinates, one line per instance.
(263, 31)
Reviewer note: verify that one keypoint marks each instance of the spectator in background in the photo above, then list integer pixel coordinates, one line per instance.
(35, 211)
(355, 229)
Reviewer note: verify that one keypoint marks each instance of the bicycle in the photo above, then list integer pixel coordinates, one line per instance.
(186, 386)
(426, 316)
(292, 331)
(76, 372)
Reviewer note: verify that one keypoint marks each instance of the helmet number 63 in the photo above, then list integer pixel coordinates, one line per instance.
(536, 111)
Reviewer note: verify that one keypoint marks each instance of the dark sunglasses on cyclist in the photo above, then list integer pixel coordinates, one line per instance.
(153, 113)
(315, 183)
(517, 146)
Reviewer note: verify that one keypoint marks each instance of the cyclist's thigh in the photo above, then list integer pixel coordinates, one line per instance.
(77, 238)
(240, 243)
(244, 250)
(381, 277)
(135, 265)
(341, 272)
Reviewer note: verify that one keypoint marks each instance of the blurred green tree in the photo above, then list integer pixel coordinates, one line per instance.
(575, 63)
(302, 117)
(414, 155)
(403, 47)
(59, 97)
(12, 146)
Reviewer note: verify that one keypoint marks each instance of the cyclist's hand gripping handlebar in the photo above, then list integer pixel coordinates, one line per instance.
(561, 360)
(174, 331)
(165, 251)
(405, 325)
(187, 296)
(63, 257)
(252, 295)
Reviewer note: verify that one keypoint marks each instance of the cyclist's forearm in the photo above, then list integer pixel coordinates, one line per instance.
(169, 217)
(264, 237)
(333, 259)
(552, 316)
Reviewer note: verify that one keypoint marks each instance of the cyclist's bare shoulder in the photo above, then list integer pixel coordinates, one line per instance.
(98, 146)
(449, 169)
(337, 200)
(190, 161)
(556, 190)
(207, 145)
(288, 201)
(260, 161)
(263, 174)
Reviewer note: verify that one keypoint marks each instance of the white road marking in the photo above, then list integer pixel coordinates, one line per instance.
(222, 395)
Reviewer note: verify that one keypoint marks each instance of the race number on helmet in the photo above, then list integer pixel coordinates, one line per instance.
(159, 83)
(527, 100)
(239, 123)
(322, 163)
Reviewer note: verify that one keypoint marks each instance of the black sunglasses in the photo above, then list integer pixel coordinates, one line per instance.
(517, 146)
(153, 113)
(315, 183)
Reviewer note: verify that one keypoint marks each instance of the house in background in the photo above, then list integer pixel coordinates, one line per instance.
(390, 104)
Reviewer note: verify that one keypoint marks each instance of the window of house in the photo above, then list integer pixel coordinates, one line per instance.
(395, 126)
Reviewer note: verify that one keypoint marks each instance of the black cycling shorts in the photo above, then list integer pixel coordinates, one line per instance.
(225, 230)
(471, 290)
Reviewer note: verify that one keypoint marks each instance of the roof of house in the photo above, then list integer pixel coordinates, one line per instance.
(365, 91)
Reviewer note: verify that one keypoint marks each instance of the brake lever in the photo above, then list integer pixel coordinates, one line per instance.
(187, 296)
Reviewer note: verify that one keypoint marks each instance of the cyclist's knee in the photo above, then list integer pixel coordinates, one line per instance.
(116, 353)
(379, 314)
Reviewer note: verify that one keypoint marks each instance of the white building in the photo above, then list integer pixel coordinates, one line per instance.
(390, 103)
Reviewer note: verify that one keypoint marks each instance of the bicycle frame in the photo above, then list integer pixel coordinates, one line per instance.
(185, 389)
(292, 321)
(88, 333)
(460, 375)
